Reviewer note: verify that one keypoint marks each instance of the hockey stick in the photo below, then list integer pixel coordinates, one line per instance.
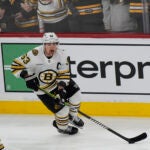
(129, 140)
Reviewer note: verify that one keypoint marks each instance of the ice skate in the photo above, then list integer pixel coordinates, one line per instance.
(70, 130)
(76, 121)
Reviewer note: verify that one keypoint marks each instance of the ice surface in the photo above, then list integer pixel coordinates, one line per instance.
(35, 132)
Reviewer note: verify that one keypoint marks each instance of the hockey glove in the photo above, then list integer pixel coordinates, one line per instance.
(61, 89)
(33, 84)
(61, 85)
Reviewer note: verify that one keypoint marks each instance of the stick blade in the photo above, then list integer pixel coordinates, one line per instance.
(137, 138)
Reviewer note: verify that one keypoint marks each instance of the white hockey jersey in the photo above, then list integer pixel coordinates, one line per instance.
(48, 71)
(52, 11)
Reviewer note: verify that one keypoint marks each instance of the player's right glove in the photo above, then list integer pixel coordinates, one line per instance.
(33, 84)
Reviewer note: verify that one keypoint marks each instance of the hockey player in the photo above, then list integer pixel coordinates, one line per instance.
(47, 67)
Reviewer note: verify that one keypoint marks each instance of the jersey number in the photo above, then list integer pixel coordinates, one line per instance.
(25, 59)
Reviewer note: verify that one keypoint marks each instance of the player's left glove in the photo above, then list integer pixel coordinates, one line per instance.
(61, 89)
(61, 85)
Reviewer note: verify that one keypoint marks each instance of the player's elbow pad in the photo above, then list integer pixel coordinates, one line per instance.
(23, 74)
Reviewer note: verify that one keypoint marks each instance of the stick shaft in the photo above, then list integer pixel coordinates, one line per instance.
(102, 125)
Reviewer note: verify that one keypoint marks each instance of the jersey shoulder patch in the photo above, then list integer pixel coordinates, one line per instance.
(35, 52)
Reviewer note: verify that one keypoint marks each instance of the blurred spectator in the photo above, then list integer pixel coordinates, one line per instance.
(6, 22)
(139, 11)
(53, 16)
(25, 16)
(117, 17)
(86, 16)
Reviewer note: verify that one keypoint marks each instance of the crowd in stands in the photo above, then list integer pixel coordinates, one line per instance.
(77, 16)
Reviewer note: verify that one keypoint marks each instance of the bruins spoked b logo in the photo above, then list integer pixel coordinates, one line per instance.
(48, 76)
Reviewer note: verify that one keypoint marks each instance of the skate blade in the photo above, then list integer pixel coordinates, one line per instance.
(75, 125)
